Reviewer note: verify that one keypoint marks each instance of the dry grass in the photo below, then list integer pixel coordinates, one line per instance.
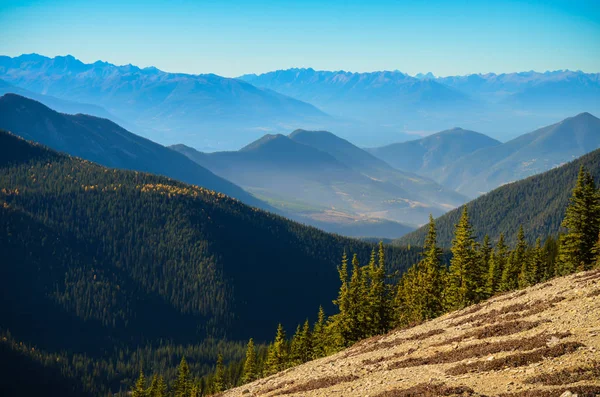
(594, 293)
(569, 375)
(320, 383)
(388, 344)
(430, 390)
(516, 360)
(479, 350)
(501, 329)
(513, 311)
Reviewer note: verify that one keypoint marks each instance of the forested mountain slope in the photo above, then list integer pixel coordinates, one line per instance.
(131, 260)
(529, 154)
(538, 203)
(106, 143)
(434, 151)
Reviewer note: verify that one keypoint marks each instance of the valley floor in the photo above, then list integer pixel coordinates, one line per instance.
(541, 341)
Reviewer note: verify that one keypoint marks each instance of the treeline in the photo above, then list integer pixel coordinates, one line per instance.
(371, 302)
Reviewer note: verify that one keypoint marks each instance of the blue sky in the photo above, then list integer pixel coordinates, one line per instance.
(236, 37)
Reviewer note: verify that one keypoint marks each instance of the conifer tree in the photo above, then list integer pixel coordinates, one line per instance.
(430, 277)
(295, 348)
(140, 386)
(377, 317)
(342, 319)
(510, 275)
(356, 324)
(182, 384)
(219, 380)
(306, 343)
(498, 261)
(462, 278)
(250, 364)
(161, 388)
(582, 221)
(320, 340)
(550, 250)
(277, 355)
(152, 391)
(532, 267)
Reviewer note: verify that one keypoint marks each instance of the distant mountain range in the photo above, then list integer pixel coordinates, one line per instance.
(203, 110)
(500, 105)
(529, 154)
(106, 143)
(538, 203)
(211, 113)
(318, 175)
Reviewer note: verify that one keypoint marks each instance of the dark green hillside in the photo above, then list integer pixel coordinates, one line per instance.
(538, 203)
(131, 259)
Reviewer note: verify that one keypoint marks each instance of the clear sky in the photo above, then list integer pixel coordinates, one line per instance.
(234, 37)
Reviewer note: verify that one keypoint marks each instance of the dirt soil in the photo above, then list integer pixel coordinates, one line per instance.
(542, 341)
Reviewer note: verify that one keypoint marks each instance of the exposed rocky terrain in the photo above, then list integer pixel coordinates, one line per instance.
(541, 341)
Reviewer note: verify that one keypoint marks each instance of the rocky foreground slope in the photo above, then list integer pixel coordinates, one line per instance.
(541, 341)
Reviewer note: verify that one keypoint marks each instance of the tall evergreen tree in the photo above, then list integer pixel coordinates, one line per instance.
(277, 355)
(250, 364)
(219, 380)
(182, 385)
(582, 221)
(551, 248)
(483, 267)
(498, 261)
(140, 386)
(377, 316)
(532, 267)
(430, 276)
(462, 283)
(510, 275)
(320, 340)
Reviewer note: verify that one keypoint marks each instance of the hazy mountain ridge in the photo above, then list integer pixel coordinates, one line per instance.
(104, 142)
(529, 154)
(163, 106)
(327, 177)
(427, 154)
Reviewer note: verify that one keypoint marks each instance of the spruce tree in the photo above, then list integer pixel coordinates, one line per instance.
(250, 364)
(377, 316)
(277, 355)
(320, 340)
(219, 380)
(161, 388)
(582, 221)
(356, 319)
(498, 261)
(140, 386)
(342, 319)
(182, 384)
(462, 283)
(550, 252)
(532, 267)
(430, 277)
(510, 275)
(306, 343)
